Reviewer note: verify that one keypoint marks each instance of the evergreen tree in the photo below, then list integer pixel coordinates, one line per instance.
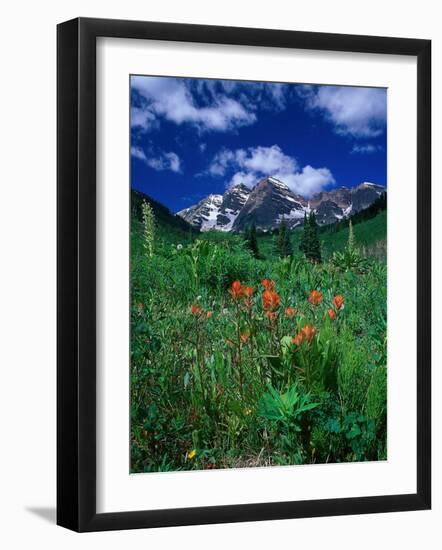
(314, 244)
(251, 240)
(284, 245)
(310, 245)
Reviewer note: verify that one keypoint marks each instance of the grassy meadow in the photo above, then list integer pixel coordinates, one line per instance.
(239, 361)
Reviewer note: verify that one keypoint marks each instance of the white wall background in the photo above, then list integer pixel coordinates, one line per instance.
(27, 272)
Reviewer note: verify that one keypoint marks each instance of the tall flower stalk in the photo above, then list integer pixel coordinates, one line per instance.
(270, 303)
(149, 229)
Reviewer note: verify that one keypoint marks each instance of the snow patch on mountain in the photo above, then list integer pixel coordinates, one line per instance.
(347, 211)
(278, 183)
(209, 219)
(271, 201)
(217, 211)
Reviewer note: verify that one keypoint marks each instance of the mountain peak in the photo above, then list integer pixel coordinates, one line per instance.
(239, 186)
(370, 183)
(217, 211)
(213, 198)
(275, 182)
(271, 201)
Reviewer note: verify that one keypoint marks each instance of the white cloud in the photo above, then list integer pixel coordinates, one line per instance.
(138, 153)
(221, 162)
(357, 112)
(249, 165)
(269, 96)
(266, 160)
(172, 99)
(365, 149)
(308, 181)
(142, 118)
(247, 178)
(166, 161)
(278, 94)
(158, 161)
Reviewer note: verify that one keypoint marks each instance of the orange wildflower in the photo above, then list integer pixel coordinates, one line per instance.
(298, 339)
(245, 336)
(247, 292)
(268, 284)
(308, 331)
(338, 301)
(270, 300)
(236, 290)
(196, 310)
(209, 314)
(332, 314)
(290, 312)
(315, 297)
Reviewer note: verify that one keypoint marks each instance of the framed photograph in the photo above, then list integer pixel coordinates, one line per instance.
(243, 314)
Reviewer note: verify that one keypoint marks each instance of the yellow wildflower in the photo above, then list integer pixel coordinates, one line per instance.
(191, 454)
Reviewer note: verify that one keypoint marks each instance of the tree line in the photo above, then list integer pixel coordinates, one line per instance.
(310, 245)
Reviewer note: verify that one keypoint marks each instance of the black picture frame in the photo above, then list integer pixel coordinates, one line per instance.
(77, 287)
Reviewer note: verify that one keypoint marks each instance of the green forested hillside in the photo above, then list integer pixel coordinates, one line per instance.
(166, 221)
(369, 234)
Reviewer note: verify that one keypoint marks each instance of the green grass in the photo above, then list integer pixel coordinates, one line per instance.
(217, 382)
(367, 234)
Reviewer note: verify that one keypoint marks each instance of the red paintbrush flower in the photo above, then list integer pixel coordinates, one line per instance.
(309, 332)
(298, 339)
(290, 312)
(268, 284)
(315, 297)
(270, 300)
(247, 292)
(196, 310)
(236, 290)
(338, 301)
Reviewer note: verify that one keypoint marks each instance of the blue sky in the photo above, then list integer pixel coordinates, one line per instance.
(193, 137)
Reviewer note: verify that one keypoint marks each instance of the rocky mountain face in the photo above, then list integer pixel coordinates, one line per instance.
(268, 203)
(327, 212)
(217, 211)
(203, 215)
(234, 200)
(341, 197)
(271, 201)
(364, 196)
(336, 204)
